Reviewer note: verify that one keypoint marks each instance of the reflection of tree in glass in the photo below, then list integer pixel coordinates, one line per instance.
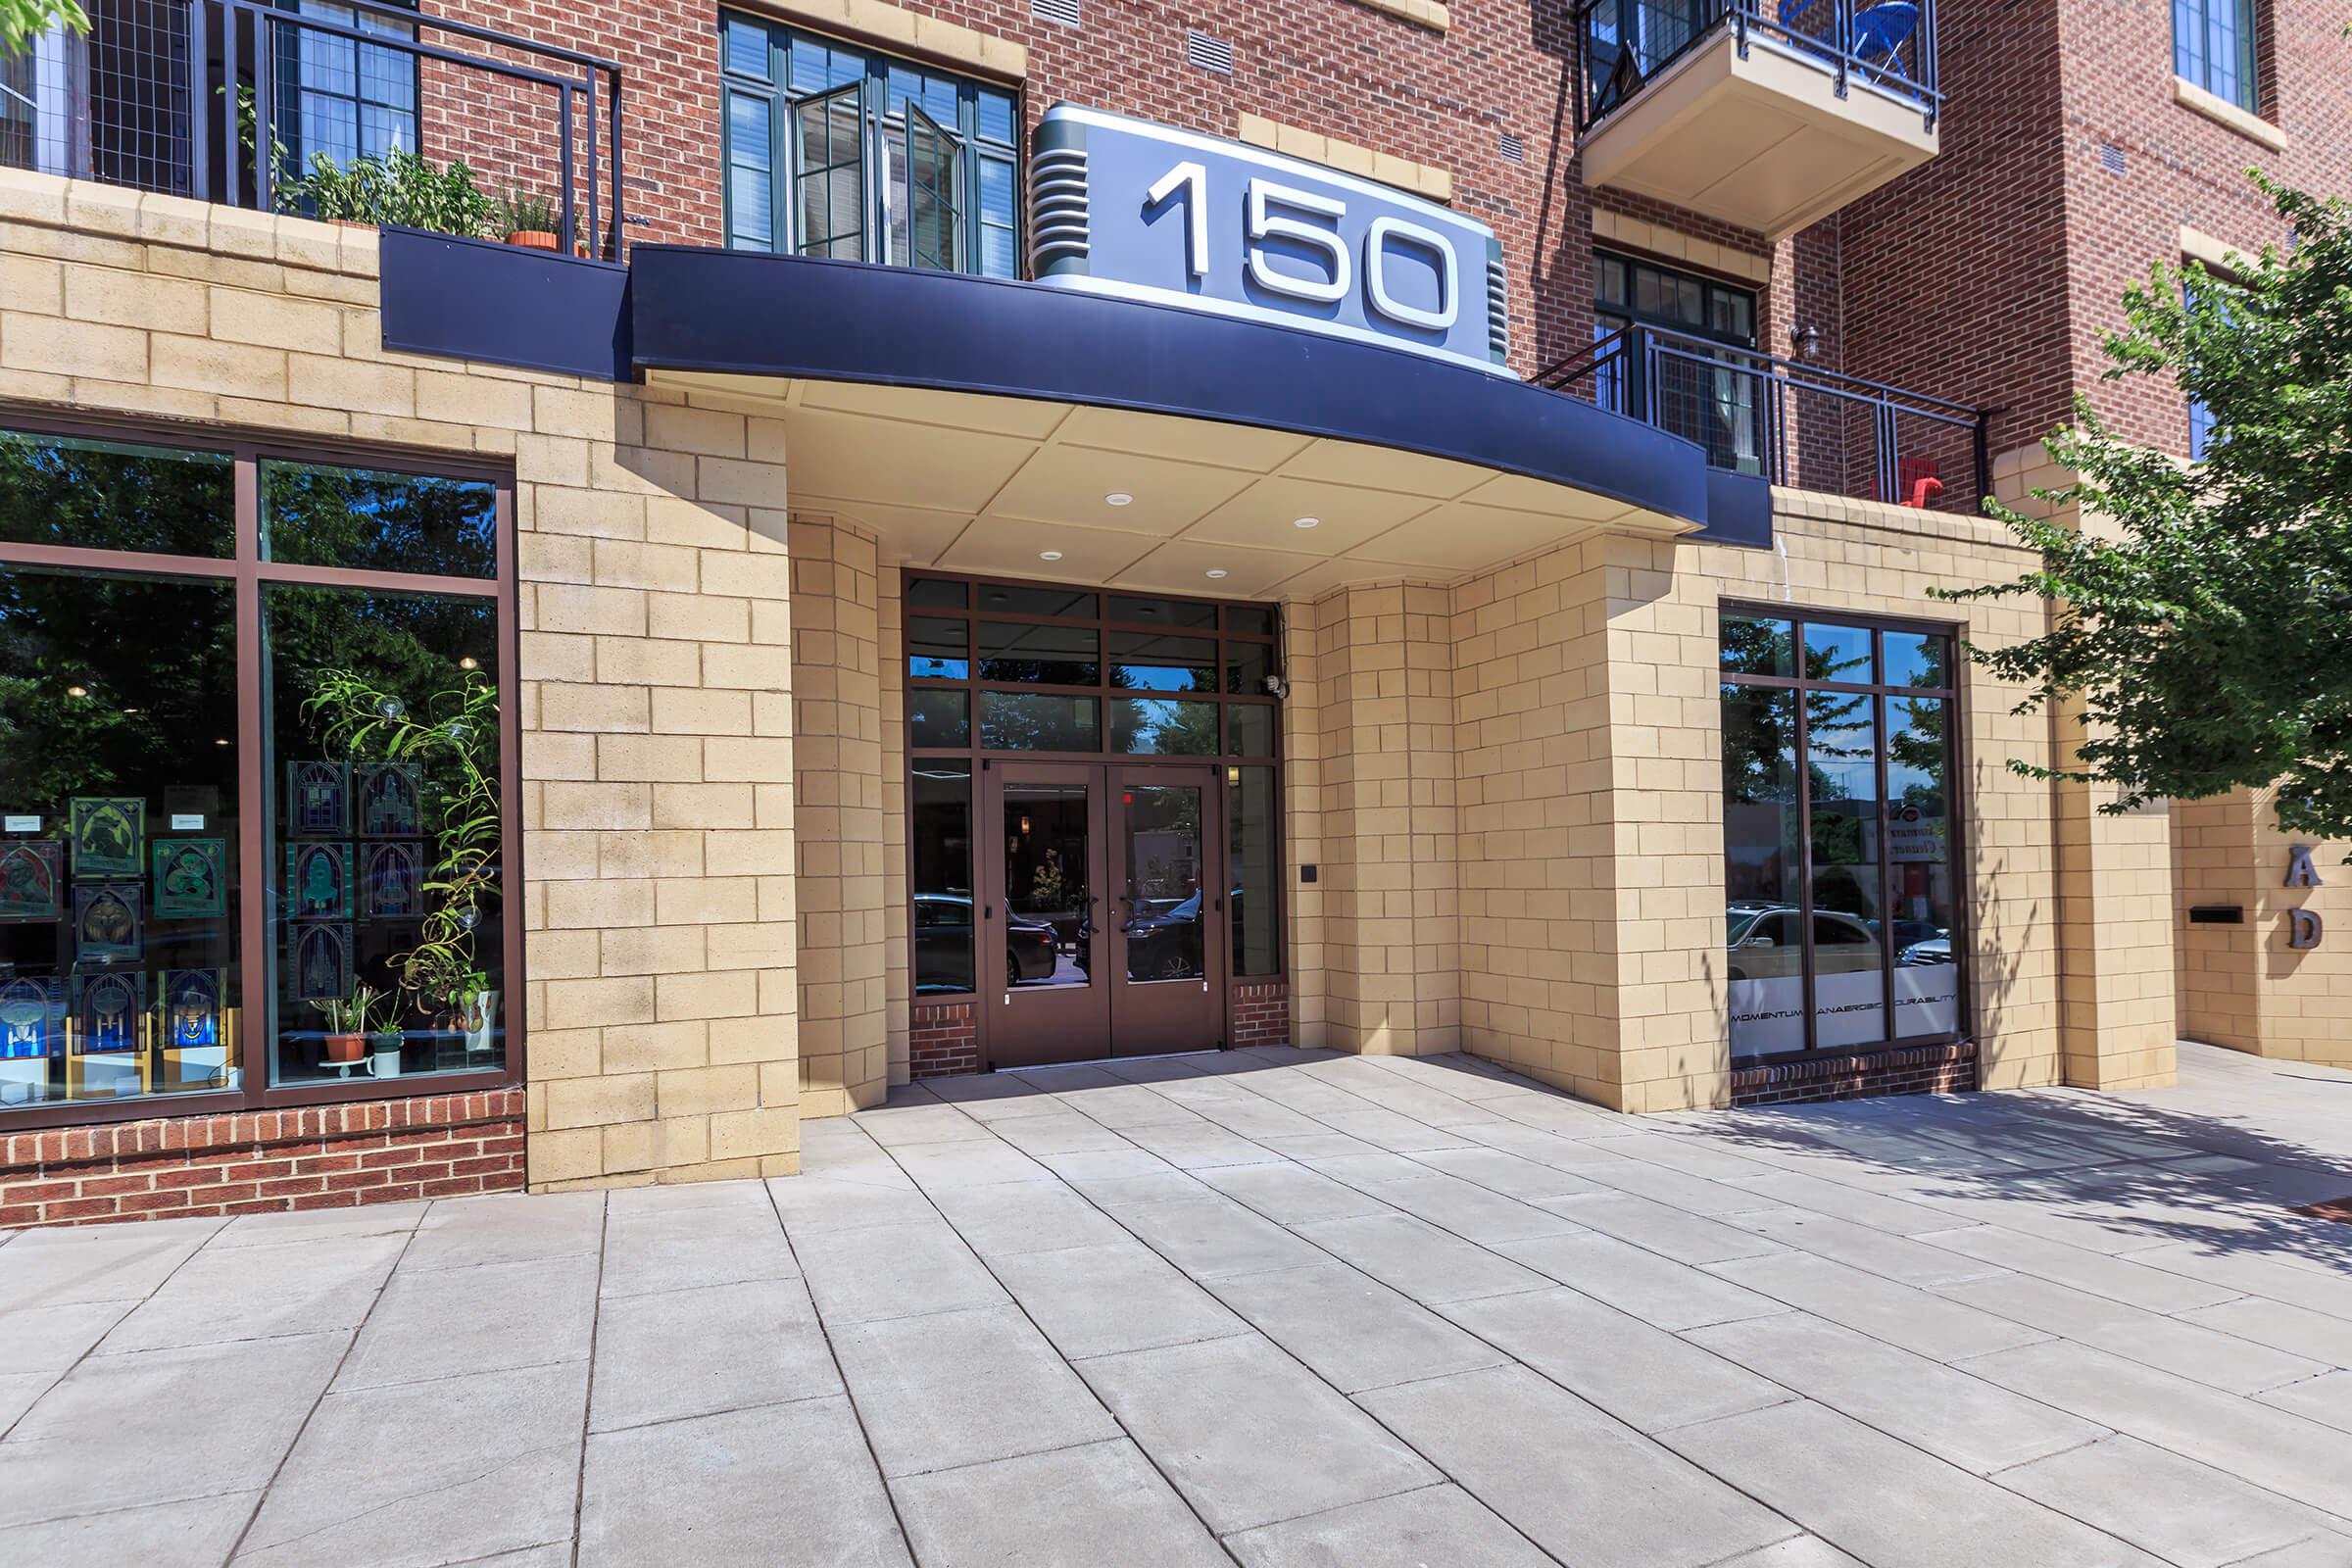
(156, 661)
(99, 496)
(1049, 886)
(392, 522)
(1917, 745)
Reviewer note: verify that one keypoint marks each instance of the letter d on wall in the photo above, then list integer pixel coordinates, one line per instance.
(2303, 929)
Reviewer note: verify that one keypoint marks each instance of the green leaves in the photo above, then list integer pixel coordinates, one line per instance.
(398, 187)
(22, 20)
(2203, 613)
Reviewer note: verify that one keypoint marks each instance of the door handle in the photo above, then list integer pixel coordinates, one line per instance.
(988, 911)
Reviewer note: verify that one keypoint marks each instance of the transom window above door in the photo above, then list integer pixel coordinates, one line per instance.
(834, 151)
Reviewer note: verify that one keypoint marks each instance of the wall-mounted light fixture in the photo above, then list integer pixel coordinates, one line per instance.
(1805, 341)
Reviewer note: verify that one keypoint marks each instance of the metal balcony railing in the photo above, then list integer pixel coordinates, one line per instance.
(1788, 421)
(177, 95)
(1888, 45)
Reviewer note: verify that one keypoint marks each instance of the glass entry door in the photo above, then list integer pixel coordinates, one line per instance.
(1041, 913)
(1170, 935)
(1102, 926)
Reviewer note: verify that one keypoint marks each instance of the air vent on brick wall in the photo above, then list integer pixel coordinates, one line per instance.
(1514, 151)
(1062, 12)
(1209, 54)
(2111, 158)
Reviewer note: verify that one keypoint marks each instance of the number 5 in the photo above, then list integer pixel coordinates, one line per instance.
(1266, 225)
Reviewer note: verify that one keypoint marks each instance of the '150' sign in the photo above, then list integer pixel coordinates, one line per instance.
(1128, 208)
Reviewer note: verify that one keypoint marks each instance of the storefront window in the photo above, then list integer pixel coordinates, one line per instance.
(225, 842)
(381, 765)
(1837, 872)
(119, 888)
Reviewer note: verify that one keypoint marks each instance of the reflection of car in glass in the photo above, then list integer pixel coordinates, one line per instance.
(942, 944)
(1937, 949)
(1764, 943)
(1163, 940)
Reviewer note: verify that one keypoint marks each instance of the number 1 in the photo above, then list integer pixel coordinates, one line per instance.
(1193, 179)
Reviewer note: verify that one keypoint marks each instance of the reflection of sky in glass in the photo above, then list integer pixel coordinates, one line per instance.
(1837, 653)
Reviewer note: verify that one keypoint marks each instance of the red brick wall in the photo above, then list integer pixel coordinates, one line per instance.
(1261, 1013)
(1920, 1070)
(1327, 64)
(943, 1038)
(2181, 168)
(1991, 275)
(254, 1162)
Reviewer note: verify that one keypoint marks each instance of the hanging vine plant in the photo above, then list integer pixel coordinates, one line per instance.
(455, 739)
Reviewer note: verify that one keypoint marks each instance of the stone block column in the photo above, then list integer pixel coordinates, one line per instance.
(1391, 938)
(836, 723)
(2116, 978)
(655, 802)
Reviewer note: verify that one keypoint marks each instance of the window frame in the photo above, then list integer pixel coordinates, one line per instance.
(291, 38)
(2202, 71)
(978, 758)
(1961, 931)
(878, 127)
(248, 574)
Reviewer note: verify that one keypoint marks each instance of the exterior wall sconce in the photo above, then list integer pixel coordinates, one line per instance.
(1805, 341)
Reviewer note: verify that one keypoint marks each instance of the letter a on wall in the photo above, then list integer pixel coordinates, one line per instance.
(2300, 872)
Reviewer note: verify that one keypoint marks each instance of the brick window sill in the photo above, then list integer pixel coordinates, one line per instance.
(2222, 112)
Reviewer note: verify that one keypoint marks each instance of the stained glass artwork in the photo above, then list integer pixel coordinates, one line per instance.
(319, 959)
(106, 1012)
(33, 1018)
(317, 799)
(319, 881)
(392, 880)
(191, 878)
(191, 1008)
(108, 835)
(391, 800)
(28, 879)
(106, 922)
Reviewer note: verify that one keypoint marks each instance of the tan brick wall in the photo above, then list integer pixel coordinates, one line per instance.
(835, 719)
(659, 995)
(1590, 749)
(2114, 901)
(2242, 986)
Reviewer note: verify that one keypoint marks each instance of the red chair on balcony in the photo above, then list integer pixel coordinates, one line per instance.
(1917, 483)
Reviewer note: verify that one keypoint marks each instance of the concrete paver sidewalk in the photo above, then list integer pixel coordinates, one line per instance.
(1271, 1307)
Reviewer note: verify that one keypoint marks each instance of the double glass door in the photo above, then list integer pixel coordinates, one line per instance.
(1103, 923)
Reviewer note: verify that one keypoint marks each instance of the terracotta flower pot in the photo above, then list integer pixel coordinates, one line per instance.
(346, 1048)
(532, 240)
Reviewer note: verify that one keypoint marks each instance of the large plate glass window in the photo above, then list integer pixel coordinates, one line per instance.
(1839, 852)
(252, 768)
(834, 151)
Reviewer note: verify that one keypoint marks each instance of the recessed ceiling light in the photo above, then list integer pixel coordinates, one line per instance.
(78, 691)
(1048, 555)
(1304, 522)
(1118, 498)
(1216, 571)
(470, 662)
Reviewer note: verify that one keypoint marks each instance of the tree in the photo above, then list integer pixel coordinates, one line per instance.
(22, 20)
(2204, 610)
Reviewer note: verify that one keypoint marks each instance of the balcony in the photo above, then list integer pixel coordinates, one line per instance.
(175, 96)
(1787, 422)
(1767, 114)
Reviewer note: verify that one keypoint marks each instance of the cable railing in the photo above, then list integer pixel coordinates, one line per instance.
(1886, 45)
(1787, 422)
(179, 96)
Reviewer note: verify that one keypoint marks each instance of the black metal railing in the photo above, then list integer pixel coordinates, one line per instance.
(1888, 45)
(1788, 421)
(177, 95)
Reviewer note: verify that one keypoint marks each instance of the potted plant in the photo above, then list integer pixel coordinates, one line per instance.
(347, 1022)
(383, 1042)
(529, 221)
(473, 1009)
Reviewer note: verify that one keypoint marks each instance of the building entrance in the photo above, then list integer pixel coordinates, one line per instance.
(1103, 930)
